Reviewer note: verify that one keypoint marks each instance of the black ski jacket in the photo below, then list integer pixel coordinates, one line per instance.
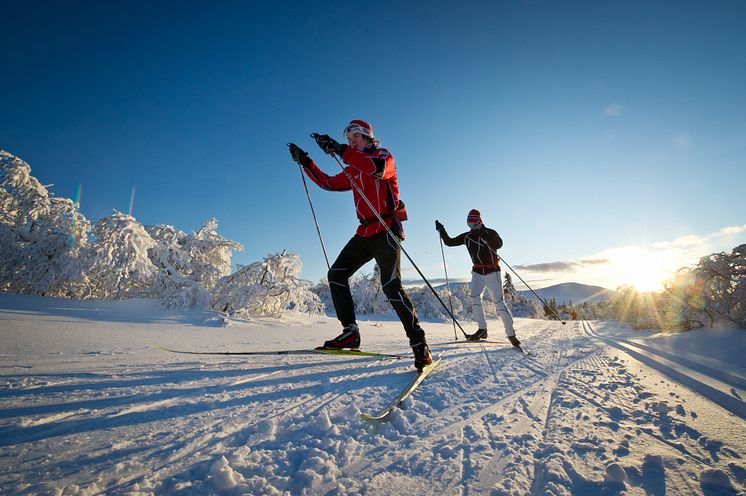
(482, 244)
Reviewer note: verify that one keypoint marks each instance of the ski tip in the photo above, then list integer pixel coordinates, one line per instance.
(372, 418)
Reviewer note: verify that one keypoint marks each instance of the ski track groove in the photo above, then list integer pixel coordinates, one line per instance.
(542, 389)
(489, 362)
(197, 441)
(701, 384)
(595, 381)
(201, 442)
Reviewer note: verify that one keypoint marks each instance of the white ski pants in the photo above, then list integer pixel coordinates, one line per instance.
(493, 283)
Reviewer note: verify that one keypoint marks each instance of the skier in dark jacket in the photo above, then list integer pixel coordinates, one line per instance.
(373, 170)
(483, 243)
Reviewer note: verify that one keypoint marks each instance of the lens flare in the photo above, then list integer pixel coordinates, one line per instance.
(132, 201)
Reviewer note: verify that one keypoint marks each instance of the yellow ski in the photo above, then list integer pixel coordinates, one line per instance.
(382, 416)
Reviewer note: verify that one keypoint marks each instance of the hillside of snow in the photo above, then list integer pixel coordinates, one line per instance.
(89, 405)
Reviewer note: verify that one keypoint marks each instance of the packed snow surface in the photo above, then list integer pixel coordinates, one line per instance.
(90, 405)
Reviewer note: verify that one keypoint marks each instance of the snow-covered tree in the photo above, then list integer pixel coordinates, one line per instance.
(23, 199)
(172, 284)
(188, 265)
(41, 236)
(267, 288)
(117, 263)
(325, 296)
(176, 291)
(428, 306)
(45, 249)
(170, 252)
(509, 291)
(209, 254)
(712, 291)
(530, 308)
(368, 294)
(723, 280)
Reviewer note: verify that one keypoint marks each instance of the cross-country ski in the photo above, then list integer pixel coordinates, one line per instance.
(416, 380)
(315, 351)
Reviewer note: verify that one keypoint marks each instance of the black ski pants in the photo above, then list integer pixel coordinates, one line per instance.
(387, 253)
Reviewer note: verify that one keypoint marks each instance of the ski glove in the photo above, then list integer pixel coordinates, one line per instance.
(439, 227)
(299, 156)
(328, 144)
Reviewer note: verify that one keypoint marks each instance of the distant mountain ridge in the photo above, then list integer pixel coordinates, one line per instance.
(565, 292)
(574, 292)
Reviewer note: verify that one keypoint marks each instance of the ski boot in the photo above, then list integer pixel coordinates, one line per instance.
(480, 334)
(350, 338)
(514, 341)
(422, 356)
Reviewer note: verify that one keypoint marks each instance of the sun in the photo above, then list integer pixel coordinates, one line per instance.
(641, 268)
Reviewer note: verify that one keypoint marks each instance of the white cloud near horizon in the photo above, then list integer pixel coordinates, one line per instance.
(642, 265)
(563, 266)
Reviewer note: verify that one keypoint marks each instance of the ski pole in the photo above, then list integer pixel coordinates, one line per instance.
(534, 292)
(313, 213)
(393, 236)
(448, 285)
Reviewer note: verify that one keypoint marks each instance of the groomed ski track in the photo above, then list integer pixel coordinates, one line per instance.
(589, 413)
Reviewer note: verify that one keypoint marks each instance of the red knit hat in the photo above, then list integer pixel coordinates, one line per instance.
(474, 217)
(358, 126)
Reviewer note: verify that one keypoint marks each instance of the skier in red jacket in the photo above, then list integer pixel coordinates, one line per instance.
(372, 169)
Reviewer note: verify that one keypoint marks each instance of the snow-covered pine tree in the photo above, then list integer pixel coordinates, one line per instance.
(267, 288)
(509, 291)
(41, 237)
(117, 263)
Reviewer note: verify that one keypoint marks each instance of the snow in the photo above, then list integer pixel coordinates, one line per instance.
(89, 405)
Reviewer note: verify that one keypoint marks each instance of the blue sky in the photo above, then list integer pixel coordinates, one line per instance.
(579, 129)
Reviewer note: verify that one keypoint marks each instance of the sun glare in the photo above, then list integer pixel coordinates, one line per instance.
(644, 270)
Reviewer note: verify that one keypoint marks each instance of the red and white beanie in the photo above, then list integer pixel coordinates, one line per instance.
(474, 218)
(358, 126)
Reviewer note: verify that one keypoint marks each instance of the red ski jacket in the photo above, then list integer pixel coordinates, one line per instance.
(374, 172)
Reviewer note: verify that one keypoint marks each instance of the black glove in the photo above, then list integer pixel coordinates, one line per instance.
(439, 227)
(328, 144)
(300, 157)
